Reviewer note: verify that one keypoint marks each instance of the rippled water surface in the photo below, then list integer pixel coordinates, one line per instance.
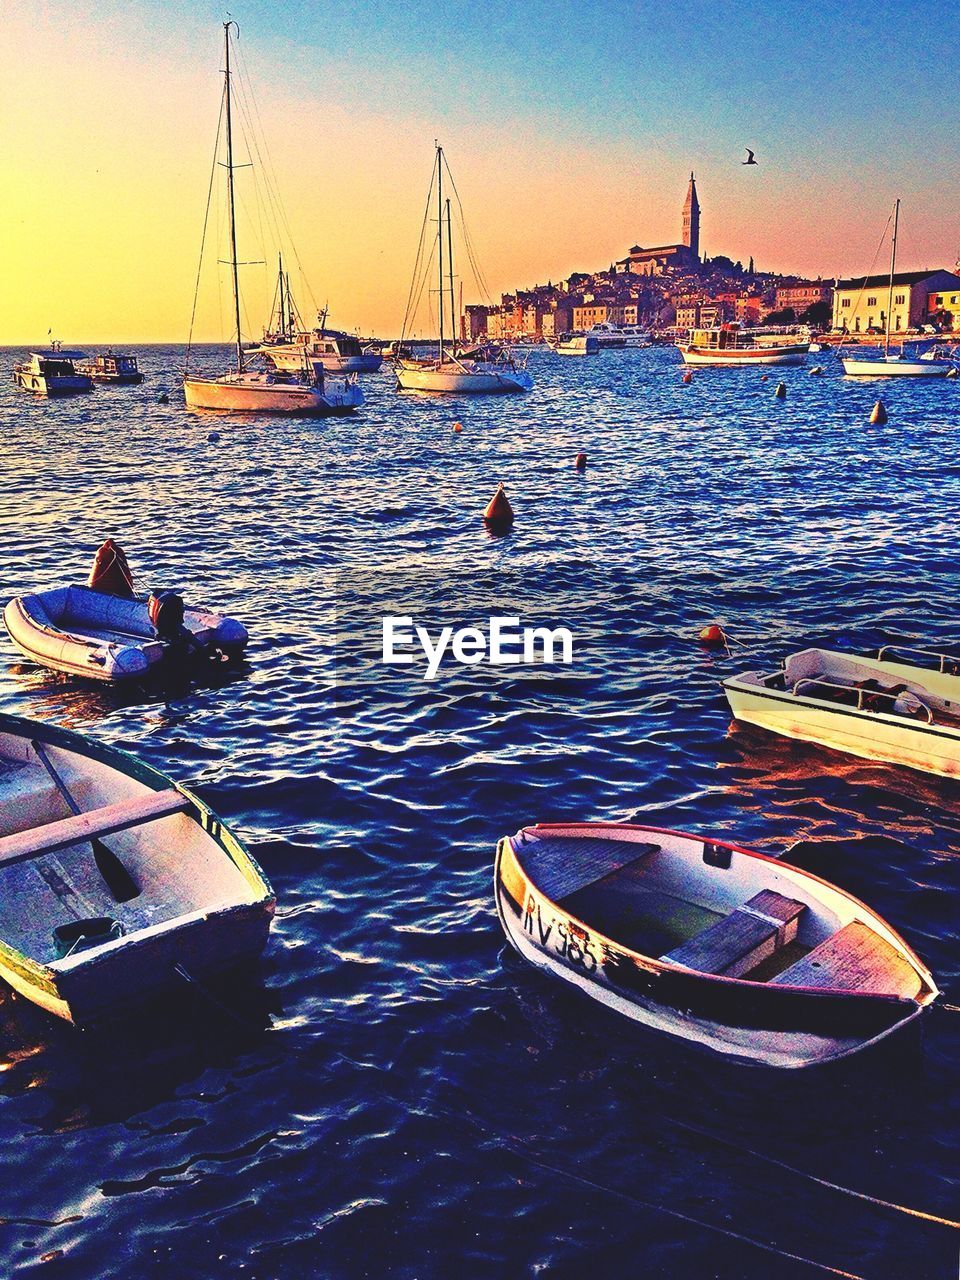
(401, 1095)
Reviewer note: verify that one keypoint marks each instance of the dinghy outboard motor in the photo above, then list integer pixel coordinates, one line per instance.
(111, 573)
(165, 610)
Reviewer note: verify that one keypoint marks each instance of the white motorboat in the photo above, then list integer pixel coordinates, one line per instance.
(635, 337)
(245, 390)
(728, 345)
(288, 346)
(52, 372)
(897, 364)
(883, 708)
(116, 884)
(706, 941)
(577, 344)
(607, 335)
(451, 370)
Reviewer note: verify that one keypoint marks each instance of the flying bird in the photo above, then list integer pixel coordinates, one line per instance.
(749, 159)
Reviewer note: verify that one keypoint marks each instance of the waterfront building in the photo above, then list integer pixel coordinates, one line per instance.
(802, 294)
(861, 305)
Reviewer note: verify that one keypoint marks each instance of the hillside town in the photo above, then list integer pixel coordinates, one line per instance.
(673, 288)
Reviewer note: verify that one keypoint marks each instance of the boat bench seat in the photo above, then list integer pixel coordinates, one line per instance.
(738, 943)
(83, 827)
(853, 959)
(560, 866)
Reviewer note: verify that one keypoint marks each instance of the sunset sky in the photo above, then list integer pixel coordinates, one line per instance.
(571, 129)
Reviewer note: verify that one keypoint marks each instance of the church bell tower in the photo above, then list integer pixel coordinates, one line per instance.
(691, 219)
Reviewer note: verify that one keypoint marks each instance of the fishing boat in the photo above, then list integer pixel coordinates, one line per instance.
(712, 943)
(729, 345)
(270, 390)
(287, 345)
(52, 372)
(897, 363)
(112, 369)
(452, 371)
(577, 344)
(890, 708)
(117, 885)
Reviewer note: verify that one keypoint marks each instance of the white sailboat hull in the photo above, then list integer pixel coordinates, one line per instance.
(461, 380)
(258, 394)
(895, 367)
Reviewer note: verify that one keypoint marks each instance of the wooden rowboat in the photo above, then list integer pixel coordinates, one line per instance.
(116, 884)
(884, 708)
(712, 943)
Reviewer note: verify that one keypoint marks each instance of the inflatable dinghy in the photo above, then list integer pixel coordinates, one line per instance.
(81, 632)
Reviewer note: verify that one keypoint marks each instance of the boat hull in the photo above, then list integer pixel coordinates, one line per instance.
(895, 368)
(868, 735)
(292, 361)
(225, 929)
(57, 386)
(747, 1022)
(737, 358)
(226, 396)
(412, 377)
(116, 642)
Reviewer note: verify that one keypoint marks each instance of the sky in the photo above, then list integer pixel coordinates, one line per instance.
(571, 127)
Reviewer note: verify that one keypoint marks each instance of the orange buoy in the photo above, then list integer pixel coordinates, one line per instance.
(110, 572)
(458, 426)
(879, 415)
(687, 377)
(499, 513)
(780, 392)
(580, 461)
(764, 377)
(713, 637)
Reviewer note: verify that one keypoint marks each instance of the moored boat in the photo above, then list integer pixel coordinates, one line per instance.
(607, 335)
(897, 364)
(52, 372)
(288, 346)
(883, 708)
(113, 369)
(715, 944)
(729, 345)
(577, 344)
(452, 370)
(246, 390)
(117, 885)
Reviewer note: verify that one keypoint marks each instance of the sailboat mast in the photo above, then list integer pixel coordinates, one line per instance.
(283, 315)
(453, 309)
(440, 235)
(233, 216)
(893, 263)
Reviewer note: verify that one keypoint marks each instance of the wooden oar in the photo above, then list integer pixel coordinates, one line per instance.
(118, 879)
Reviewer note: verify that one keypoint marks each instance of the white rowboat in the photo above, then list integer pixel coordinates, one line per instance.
(715, 944)
(115, 882)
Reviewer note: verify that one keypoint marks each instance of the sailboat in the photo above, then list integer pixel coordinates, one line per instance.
(268, 390)
(897, 364)
(452, 370)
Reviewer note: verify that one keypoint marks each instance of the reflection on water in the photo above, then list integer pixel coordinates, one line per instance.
(400, 1094)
